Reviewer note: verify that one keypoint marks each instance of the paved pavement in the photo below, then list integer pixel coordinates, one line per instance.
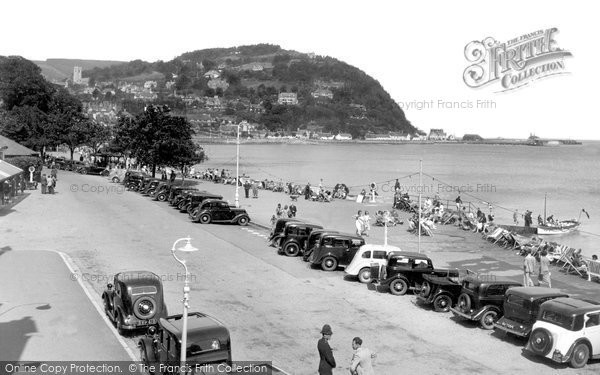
(46, 315)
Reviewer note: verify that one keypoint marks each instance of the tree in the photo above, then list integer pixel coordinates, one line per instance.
(156, 138)
(21, 84)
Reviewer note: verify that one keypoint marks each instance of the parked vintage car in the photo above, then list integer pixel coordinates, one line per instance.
(133, 177)
(278, 229)
(218, 211)
(161, 187)
(93, 169)
(404, 271)
(335, 249)
(441, 291)
(208, 342)
(176, 194)
(482, 299)
(192, 202)
(150, 185)
(134, 300)
(313, 241)
(117, 175)
(294, 238)
(365, 257)
(567, 330)
(521, 308)
(180, 195)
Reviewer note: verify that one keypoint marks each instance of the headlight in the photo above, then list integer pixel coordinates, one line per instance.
(215, 344)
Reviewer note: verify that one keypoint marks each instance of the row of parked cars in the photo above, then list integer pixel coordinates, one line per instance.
(201, 206)
(557, 326)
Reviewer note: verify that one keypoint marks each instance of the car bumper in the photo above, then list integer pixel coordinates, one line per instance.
(461, 314)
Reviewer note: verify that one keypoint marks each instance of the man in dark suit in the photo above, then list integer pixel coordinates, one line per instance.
(327, 362)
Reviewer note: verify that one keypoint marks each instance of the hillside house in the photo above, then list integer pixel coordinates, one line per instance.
(213, 103)
(287, 98)
(322, 93)
(437, 135)
(212, 74)
(149, 85)
(218, 83)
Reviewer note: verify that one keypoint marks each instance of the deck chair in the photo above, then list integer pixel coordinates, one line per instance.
(495, 235)
(557, 253)
(593, 269)
(566, 256)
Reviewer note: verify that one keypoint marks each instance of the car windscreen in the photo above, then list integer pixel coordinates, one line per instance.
(518, 301)
(559, 319)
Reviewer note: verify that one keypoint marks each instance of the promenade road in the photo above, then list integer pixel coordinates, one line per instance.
(273, 305)
(45, 315)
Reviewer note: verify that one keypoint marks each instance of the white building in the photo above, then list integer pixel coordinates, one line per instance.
(77, 75)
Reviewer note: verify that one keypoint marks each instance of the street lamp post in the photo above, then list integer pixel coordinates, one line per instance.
(188, 248)
(237, 169)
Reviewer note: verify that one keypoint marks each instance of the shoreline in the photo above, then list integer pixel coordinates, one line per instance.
(263, 141)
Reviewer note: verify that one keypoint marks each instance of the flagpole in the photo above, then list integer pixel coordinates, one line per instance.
(420, 193)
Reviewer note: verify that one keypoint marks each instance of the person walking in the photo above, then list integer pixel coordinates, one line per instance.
(326, 359)
(307, 191)
(247, 187)
(366, 223)
(528, 269)
(458, 203)
(361, 363)
(279, 211)
(359, 223)
(516, 217)
(44, 184)
(254, 189)
(545, 269)
(173, 175)
(293, 210)
(49, 183)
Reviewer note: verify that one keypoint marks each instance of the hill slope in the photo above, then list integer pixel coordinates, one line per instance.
(330, 93)
(60, 69)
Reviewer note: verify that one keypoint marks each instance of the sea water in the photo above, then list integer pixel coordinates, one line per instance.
(507, 177)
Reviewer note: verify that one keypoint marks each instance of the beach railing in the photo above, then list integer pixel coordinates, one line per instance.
(593, 269)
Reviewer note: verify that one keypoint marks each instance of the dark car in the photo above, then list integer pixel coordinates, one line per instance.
(335, 249)
(218, 211)
(176, 193)
(73, 165)
(162, 187)
(95, 170)
(133, 177)
(278, 230)
(313, 241)
(441, 291)
(521, 308)
(192, 203)
(482, 299)
(404, 271)
(295, 237)
(180, 195)
(151, 185)
(208, 341)
(134, 300)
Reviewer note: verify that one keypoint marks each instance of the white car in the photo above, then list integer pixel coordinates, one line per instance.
(567, 330)
(370, 253)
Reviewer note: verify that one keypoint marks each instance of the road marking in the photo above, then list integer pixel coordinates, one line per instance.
(75, 270)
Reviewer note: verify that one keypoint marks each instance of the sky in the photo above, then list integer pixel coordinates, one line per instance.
(415, 49)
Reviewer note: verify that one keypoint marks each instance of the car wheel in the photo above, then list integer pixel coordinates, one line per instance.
(83, 171)
(488, 319)
(115, 180)
(205, 219)
(364, 275)
(425, 289)
(161, 197)
(464, 303)
(399, 287)
(291, 249)
(329, 264)
(540, 342)
(442, 303)
(243, 221)
(580, 356)
(144, 308)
